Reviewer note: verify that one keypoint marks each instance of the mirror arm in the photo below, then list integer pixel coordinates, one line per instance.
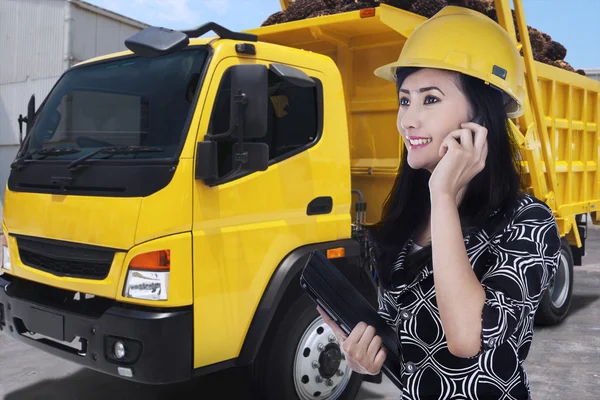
(21, 120)
(230, 174)
(225, 135)
(241, 100)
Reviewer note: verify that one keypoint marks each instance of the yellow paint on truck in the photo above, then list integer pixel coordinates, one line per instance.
(228, 241)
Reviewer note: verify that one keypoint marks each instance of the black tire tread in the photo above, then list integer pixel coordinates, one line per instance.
(547, 314)
(268, 379)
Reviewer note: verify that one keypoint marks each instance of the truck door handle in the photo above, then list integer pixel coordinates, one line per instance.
(320, 205)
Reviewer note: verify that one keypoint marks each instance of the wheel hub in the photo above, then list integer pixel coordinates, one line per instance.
(320, 368)
(330, 360)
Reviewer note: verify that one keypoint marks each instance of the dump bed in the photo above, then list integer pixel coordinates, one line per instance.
(359, 43)
(568, 142)
(558, 133)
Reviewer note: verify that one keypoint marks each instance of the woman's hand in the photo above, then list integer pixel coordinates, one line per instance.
(363, 349)
(460, 162)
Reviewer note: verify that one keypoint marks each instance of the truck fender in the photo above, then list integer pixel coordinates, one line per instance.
(283, 280)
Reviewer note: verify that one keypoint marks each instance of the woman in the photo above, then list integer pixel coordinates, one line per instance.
(462, 255)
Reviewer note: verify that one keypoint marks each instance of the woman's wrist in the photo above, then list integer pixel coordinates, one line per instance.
(442, 198)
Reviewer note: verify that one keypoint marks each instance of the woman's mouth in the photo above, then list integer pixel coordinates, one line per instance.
(418, 142)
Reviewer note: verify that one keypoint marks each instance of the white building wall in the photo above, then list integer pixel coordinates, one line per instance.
(31, 39)
(31, 57)
(593, 73)
(13, 101)
(95, 34)
(31, 54)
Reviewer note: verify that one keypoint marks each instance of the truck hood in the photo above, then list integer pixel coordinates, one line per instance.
(74, 227)
(62, 228)
(99, 221)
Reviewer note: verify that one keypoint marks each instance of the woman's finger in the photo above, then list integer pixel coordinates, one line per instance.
(457, 134)
(449, 143)
(367, 337)
(465, 136)
(480, 133)
(374, 347)
(380, 358)
(326, 317)
(337, 331)
(356, 333)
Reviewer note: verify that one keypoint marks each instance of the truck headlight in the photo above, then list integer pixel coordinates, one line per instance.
(5, 261)
(148, 276)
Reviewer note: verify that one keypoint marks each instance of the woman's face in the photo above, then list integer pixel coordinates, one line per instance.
(431, 106)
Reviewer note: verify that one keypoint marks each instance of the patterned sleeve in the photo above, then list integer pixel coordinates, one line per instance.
(523, 260)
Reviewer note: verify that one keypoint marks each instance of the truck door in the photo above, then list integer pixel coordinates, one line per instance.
(243, 228)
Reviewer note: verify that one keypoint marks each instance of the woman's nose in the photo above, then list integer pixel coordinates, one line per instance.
(409, 119)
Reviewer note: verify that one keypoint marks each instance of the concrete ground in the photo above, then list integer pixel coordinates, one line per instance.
(564, 362)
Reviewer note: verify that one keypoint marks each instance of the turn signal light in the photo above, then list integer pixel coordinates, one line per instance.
(338, 252)
(148, 276)
(155, 261)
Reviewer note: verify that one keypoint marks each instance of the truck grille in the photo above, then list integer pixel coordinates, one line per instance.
(64, 258)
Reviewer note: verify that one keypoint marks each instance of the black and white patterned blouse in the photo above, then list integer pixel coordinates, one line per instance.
(514, 266)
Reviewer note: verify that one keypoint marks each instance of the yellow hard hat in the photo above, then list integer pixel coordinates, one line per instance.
(463, 40)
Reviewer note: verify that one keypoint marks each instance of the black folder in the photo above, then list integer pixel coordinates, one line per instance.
(344, 303)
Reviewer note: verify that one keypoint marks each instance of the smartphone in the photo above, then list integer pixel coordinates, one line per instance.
(478, 120)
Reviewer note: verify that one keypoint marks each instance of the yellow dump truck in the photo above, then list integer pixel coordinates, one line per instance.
(165, 198)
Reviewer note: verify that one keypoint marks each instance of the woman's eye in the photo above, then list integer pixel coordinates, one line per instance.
(431, 100)
(404, 101)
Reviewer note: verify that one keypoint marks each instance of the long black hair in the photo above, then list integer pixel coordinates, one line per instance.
(488, 197)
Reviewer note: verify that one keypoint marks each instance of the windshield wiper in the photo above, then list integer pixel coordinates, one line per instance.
(52, 151)
(114, 150)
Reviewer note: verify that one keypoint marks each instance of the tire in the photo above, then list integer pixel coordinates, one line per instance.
(284, 369)
(557, 298)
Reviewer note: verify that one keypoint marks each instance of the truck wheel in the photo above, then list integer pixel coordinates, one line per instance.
(557, 298)
(304, 360)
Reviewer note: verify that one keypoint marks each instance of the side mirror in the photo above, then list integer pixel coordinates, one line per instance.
(249, 101)
(207, 166)
(292, 75)
(28, 119)
(251, 157)
(156, 41)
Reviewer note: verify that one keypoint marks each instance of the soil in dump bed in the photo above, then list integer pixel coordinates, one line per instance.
(545, 49)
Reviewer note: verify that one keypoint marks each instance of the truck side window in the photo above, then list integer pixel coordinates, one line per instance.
(293, 117)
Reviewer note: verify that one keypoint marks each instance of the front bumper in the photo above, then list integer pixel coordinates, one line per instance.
(159, 343)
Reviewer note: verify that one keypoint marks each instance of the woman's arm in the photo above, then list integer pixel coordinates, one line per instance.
(522, 261)
(479, 316)
(460, 296)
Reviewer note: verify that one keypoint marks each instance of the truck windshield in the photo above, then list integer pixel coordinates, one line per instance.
(129, 101)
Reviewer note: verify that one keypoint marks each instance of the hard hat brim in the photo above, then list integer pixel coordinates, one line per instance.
(512, 106)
